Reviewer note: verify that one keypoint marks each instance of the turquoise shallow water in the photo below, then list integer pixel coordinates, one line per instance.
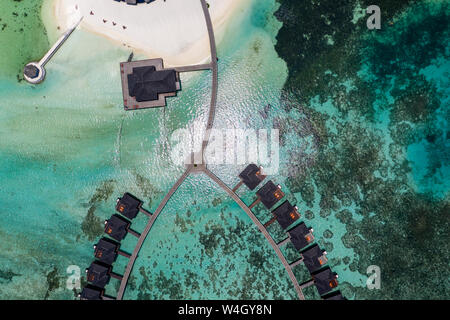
(63, 162)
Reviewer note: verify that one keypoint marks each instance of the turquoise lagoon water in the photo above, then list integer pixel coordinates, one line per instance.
(64, 161)
(68, 150)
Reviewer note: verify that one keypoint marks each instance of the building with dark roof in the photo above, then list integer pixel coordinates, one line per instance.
(31, 71)
(252, 176)
(91, 292)
(117, 227)
(286, 214)
(146, 84)
(270, 194)
(128, 205)
(325, 280)
(98, 274)
(301, 236)
(314, 258)
(106, 250)
(337, 295)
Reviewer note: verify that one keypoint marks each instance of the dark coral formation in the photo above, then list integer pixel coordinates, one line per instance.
(209, 267)
(92, 226)
(21, 21)
(53, 281)
(401, 230)
(8, 275)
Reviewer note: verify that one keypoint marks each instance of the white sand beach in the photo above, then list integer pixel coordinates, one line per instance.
(173, 29)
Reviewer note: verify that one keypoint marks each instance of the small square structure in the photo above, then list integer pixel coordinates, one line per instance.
(128, 206)
(106, 250)
(252, 176)
(270, 194)
(98, 274)
(117, 227)
(286, 214)
(301, 236)
(146, 84)
(91, 292)
(325, 280)
(314, 258)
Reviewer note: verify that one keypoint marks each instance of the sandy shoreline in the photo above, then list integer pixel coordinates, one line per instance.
(174, 30)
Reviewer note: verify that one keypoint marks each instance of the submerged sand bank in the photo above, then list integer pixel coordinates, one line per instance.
(173, 29)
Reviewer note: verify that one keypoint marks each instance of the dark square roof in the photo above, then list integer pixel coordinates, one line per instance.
(128, 205)
(106, 250)
(250, 176)
(91, 293)
(300, 236)
(311, 258)
(337, 295)
(267, 194)
(286, 214)
(146, 83)
(98, 274)
(117, 227)
(325, 281)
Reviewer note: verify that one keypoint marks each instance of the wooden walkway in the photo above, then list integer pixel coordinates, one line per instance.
(212, 109)
(215, 76)
(58, 44)
(147, 229)
(197, 67)
(40, 66)
(202, 168)
(261, 228)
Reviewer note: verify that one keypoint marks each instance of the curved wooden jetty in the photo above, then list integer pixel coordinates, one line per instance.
(261, 228)
(202, 168)
(147, 229)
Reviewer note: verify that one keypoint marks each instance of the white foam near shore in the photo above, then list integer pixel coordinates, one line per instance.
(173, 29)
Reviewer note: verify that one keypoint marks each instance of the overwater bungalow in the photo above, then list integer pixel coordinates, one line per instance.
(301, 236)
(286, 214)
(106, 250)
(270, 194)
(314, 258)
(252, 176)
(117, 227)
(325, 280)
(128, 206)
(98, 274)
(91, 292)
